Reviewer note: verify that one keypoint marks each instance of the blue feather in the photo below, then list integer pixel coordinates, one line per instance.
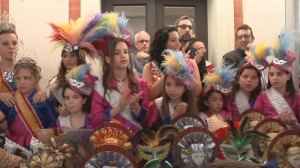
(99, 35)
(285, 39)
(83, 69)
(122, 22)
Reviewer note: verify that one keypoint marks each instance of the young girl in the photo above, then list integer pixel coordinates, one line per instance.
(281, 100)
(165, 38)
(77, 99)
(25, 117)
(73, 37)
(119, 95)
(217, 86)
(8, 50)
(248, 82)
(177, 96)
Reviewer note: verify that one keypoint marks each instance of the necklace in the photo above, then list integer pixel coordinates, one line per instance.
(120, 83)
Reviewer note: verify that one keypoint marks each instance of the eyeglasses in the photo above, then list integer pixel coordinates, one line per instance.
(245, 36)
(184, 26)
(144, 41)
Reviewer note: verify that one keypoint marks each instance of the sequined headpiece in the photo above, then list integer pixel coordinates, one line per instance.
(25, 54)
(284, 58)
(176, 66)
(257, 55)
(7, 22)
(81, 80)
(220, 80)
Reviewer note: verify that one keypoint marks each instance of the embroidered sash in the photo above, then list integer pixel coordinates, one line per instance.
(278, 101)
(113, 97)
(27, 114)
(4, 86)
(241, 102)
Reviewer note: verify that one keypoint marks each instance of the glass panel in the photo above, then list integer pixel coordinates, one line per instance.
(173, 13)
(136, 16)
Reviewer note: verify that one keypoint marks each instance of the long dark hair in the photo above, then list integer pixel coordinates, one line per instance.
(187, 97)
(290, 87)
(204, 97)
(86, 108)
(236, 85)
(108, 71)
(159, 43)
(62, 70)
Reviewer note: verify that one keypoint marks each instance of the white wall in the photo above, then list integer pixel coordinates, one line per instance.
(220, 29)
(266, 17)
(31, 18)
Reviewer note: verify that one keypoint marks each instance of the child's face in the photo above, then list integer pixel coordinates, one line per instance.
(214, 102)
(173, 41)
(121, 58)
(70, 59)
(25, 81)
(278, 78)
(248, 80)
(173, 89)
(73, 101)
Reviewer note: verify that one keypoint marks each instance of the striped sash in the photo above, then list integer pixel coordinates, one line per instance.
(27, 114)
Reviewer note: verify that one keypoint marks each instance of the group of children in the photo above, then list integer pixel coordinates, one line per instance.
(79, 101)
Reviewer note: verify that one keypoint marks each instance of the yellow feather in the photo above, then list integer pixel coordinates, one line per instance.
(212, 79)
(172, 61)
(249, 54)
(277, 45)
(261, 49)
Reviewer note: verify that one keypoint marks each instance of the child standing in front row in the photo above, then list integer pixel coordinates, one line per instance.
(77, 99)
(217, 86)
(177, 97)
(25, 117)
(281, 100)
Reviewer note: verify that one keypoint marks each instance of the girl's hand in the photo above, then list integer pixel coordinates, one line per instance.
(288, 117)
(135, 99)
(39, 97)
(124, 96)
(3, 124)
(63, 111)
(8, 99)
(180, 109)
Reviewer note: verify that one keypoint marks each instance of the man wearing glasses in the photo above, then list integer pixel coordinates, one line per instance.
(140, 57)
(244, 38)
(184, 27)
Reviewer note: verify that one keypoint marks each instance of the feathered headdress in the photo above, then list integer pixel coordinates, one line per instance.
(73, 36)
(81, 80)
(285, 58)
(111, 25)
(176, 66)
(257, 55)
(220, 80)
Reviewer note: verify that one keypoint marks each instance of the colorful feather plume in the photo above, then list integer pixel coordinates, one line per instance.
(111, 25)
(220, 79)
(176, 66)
(259, 53)
(76, 33)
